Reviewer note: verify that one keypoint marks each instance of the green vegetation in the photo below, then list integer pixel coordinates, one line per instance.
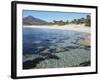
(86, 21)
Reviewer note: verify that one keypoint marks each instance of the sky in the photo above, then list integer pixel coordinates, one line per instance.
(51, 15)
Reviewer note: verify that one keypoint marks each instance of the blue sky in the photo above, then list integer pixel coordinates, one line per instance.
(50, 16)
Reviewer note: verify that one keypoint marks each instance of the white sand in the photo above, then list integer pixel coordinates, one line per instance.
(73, 27)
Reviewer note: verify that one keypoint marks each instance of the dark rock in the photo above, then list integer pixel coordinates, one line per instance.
(52, 57)
(72, 47)
(47, 40)
(86, 63)
(44, 54)
(80, 37)
(41, 49)
(87, 47)
(31, 64)
(53, 50)
(66, 49)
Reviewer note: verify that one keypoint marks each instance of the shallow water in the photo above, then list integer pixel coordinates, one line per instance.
(39, 43)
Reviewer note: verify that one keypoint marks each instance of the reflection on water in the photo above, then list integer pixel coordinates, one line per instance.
(51, 44)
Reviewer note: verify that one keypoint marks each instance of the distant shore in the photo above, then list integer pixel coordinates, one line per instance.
(73, 27)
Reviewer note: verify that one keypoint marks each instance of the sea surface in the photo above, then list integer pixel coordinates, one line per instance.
(44, 48)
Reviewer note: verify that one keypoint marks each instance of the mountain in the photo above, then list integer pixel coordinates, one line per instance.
(30, 20)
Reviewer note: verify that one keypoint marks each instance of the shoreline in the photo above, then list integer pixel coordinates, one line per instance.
(73, 27)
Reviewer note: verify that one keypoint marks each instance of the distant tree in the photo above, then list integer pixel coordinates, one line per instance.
(67, 22)
(54, 21)
(61, 22)
(75, 21)
(88, 21)
(88, 17)
(79, 21)
(82, 20)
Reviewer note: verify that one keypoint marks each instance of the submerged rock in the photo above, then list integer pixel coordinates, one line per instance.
(86, 63)
(87, 47)
(32, 63)
(45, 51)
(47, 39)
(72, 47)
(36, 42)
(58, 49)
(51, 56)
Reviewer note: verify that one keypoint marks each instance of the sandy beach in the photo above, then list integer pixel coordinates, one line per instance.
(73, 27)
